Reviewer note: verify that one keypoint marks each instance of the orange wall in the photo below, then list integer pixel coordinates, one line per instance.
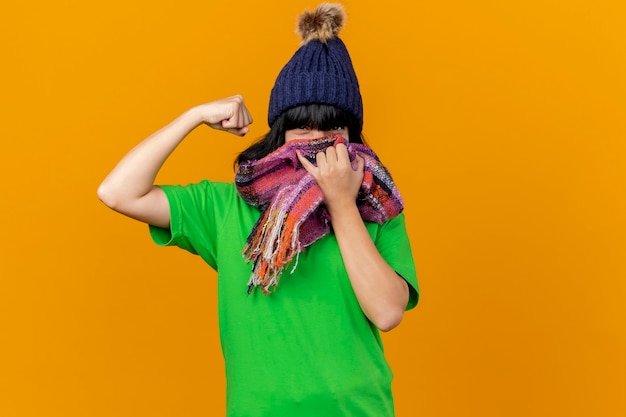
(502, 122)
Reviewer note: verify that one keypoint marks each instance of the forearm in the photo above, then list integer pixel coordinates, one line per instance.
(129, 188)
(134, 175)
(382, 294)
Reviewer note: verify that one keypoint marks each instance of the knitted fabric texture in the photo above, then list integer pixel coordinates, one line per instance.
(293, 214)
(321, 71)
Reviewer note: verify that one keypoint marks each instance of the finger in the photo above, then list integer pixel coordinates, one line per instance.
(360, 164)
(321, 159)
(236, 123)
(238, 117)
(245, 116)
(239, 132)
(331, 155)
(341, 145)
(305, 163)
(342, 153)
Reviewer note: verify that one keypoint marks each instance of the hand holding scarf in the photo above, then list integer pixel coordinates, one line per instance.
(293, 214)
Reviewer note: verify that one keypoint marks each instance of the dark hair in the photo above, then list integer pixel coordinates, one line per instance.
(316, 116)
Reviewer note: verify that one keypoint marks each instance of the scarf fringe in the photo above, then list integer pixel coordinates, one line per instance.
(291, 204)
(271, 247)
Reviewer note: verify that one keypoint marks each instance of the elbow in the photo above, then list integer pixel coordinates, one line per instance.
(390, 314)
(390, 320)
(107, 196)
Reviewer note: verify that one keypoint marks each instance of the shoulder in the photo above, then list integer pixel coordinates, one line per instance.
(393, 226)
(201, 190)
(206, 197)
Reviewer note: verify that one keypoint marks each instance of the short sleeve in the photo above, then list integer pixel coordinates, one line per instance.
(392, 241)
(193, 224)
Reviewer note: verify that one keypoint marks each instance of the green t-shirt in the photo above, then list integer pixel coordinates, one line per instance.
(307, 349)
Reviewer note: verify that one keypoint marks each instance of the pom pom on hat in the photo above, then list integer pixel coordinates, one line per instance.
(321, 24)
(321, 71)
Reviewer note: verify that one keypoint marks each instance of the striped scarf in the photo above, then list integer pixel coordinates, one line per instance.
(293, 214)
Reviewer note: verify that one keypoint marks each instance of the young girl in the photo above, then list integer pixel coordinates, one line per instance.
(309, 242)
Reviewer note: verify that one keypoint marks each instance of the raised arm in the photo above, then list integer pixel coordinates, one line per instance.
(129, 188)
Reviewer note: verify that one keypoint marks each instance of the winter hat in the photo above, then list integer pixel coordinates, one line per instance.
(321, 70)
